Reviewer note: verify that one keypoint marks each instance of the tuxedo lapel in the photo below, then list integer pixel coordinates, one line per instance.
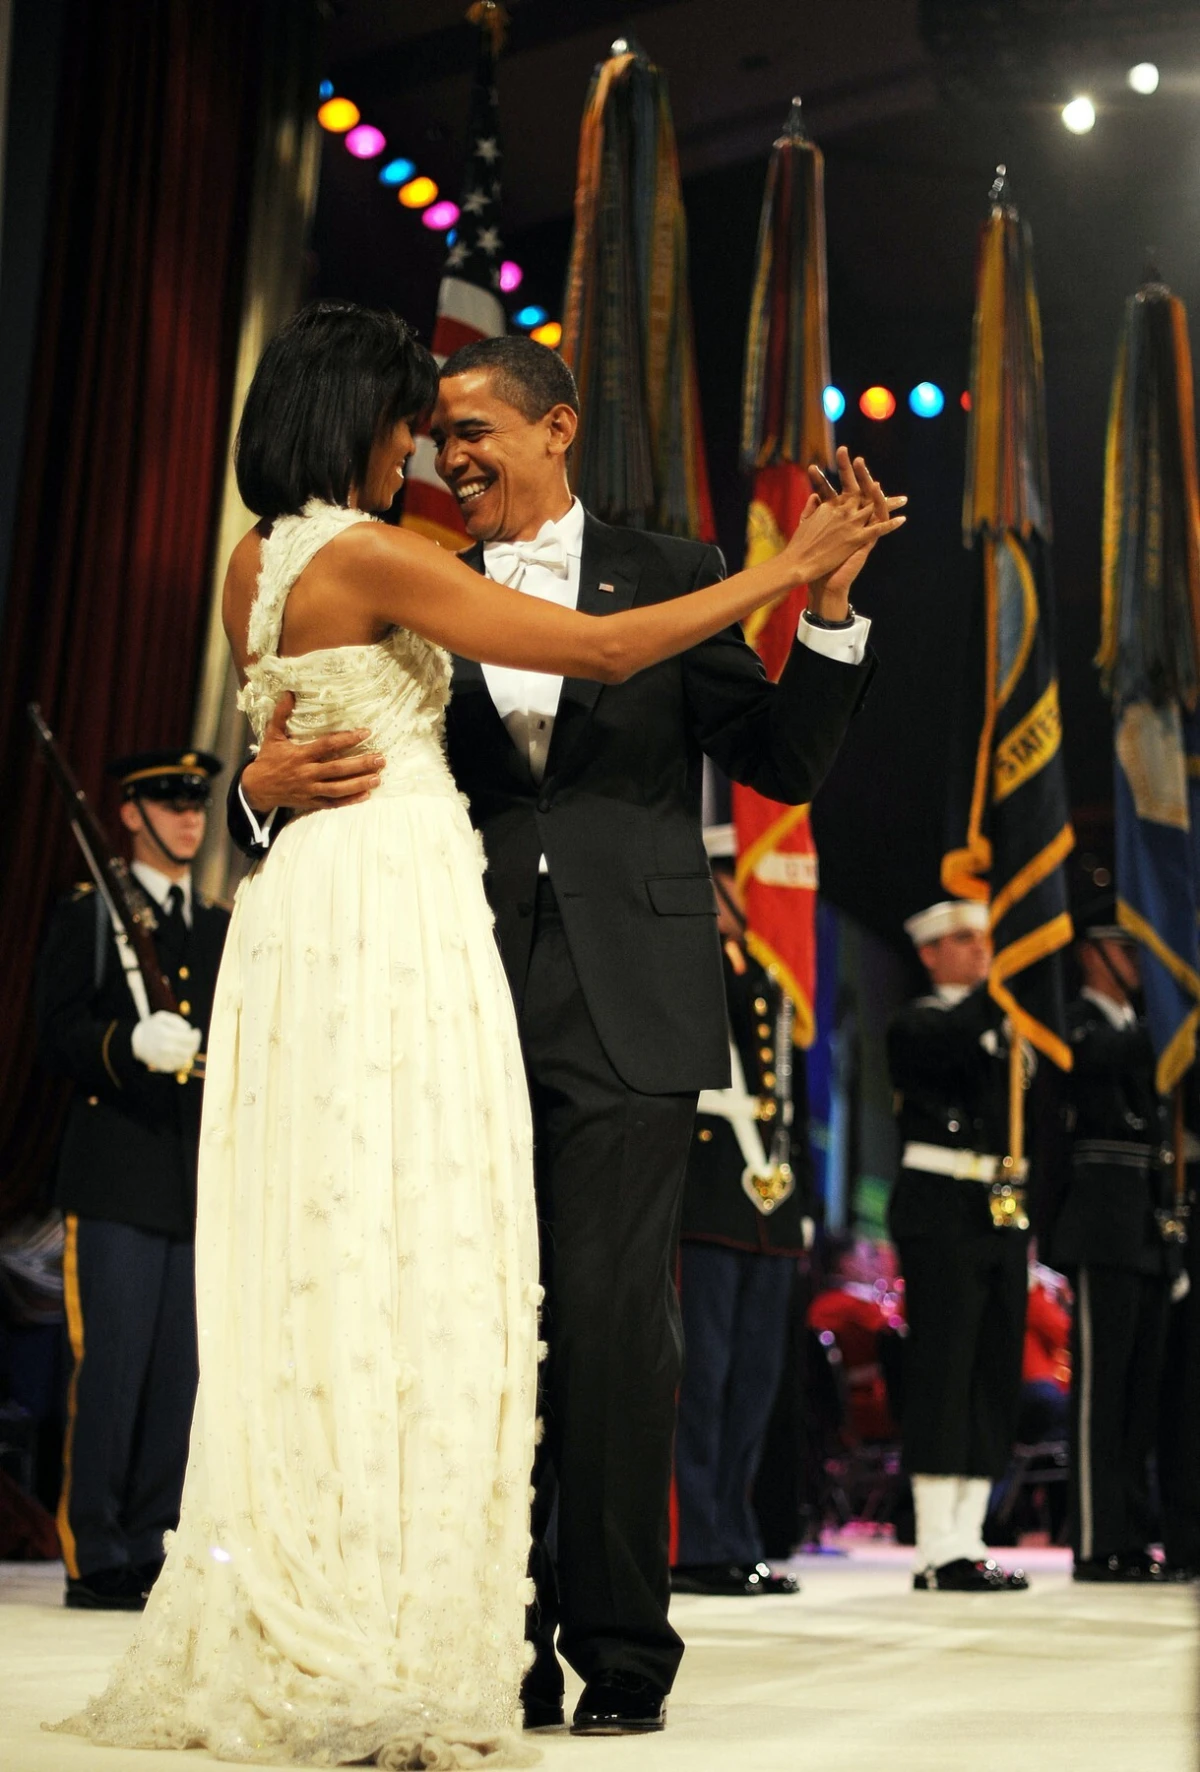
(608, 581)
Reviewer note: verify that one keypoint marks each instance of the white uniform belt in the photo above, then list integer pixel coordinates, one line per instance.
(938, 1159)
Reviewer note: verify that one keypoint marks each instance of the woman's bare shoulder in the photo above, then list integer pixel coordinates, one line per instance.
(241, 580)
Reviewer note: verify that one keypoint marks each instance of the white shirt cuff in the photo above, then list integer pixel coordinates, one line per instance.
(260, 829)
(846, 645)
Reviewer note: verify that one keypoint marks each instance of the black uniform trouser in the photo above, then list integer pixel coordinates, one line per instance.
(131, 1315)
(609, 1169)
(965, 1300)
(735, 1323)
(1179, 1421)
(1116, 1362)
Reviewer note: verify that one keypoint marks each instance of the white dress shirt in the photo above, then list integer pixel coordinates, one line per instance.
(157, 886)
(1119, 1015)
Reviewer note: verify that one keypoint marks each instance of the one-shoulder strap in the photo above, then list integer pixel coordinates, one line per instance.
(292, 543)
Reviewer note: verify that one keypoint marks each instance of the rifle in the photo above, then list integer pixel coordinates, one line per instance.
(133, 920)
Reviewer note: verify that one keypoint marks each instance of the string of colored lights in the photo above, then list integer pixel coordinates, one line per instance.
(415, 191)
(926, 400)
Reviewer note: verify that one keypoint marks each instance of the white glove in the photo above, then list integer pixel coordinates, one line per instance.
(808, 1232)
(165, 1042)
(1180, 1287)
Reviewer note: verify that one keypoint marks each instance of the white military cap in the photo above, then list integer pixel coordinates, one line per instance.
(946, 918)
(720, 842)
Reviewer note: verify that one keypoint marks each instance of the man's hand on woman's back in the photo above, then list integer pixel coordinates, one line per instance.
(311, 777)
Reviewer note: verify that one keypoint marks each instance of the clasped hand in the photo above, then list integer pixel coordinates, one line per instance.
(837, 531)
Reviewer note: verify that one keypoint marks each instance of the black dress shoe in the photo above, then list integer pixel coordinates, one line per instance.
(107, 1590)
(721, 1578)
(770, 1583)
(542, 1713)
(620, 1704)
(1137, 1569)
(963, 1576)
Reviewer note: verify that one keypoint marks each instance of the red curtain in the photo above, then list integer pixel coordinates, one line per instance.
(124, 459)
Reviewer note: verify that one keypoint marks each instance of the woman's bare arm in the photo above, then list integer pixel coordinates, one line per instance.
(407, 581)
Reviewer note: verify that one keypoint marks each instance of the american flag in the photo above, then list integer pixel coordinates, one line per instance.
(469, 305)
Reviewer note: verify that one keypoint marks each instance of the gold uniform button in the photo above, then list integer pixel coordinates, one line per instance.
(93, 1101)
(704, 1135)
(184, 973)
(760, 1005)
(764, 1030)
(185, 1007)
(768, 1079)
(766, 1054)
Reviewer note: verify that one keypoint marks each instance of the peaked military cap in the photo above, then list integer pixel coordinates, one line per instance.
(166, 774)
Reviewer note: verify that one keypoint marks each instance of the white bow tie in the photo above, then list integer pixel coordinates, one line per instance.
(507, 561)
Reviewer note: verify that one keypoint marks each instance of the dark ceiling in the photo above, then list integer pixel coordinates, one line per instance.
(911, 135)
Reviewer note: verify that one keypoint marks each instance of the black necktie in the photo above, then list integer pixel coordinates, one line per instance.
(172, 930)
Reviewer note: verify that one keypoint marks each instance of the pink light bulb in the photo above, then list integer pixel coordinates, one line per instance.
(441, 216)
(510, 276)
(365, 141)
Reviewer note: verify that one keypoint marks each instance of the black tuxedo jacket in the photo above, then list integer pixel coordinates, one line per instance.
(617, 814)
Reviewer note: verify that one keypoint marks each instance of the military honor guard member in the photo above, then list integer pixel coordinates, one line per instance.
(127, 1185)
(746, 1217)
(957, 1218)
(1117, 1237)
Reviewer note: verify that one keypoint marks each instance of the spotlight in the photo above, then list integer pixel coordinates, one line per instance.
(549, 334)
(926, 399)
(418, 193)
(530, 316)
(337, 115)
(364, 141)
(834, 402)
(441, 215)
(877, 403)
(510, 276)
(397, 172)
(1143, 78)
(1080, 115)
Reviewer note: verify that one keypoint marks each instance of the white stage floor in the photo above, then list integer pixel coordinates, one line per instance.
(857, 1672)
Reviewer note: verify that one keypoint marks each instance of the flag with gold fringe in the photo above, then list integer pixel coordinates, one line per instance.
(1149, 660)
(627, 328)
(1010, 828)
(469, 305)
(784, 428)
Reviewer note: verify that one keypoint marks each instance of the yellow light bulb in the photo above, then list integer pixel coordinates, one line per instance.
(418, 193)
(338, 115)
(549, 334)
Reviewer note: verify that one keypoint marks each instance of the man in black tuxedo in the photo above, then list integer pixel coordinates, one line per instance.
(588, 802)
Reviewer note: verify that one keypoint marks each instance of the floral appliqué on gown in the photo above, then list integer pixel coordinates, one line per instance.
(348, 1580)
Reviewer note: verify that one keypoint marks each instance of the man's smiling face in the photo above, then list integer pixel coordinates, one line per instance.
(505, 470)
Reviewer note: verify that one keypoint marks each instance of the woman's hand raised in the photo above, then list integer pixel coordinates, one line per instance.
(837, 532)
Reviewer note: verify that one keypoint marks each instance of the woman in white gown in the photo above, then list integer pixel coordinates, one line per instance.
(347, 1582)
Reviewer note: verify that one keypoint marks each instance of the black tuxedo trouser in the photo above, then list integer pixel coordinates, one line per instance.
(609, 1169)
(1117, 1341)
(965, 1300)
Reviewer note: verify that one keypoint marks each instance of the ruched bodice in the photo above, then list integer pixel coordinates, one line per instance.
(397, 689)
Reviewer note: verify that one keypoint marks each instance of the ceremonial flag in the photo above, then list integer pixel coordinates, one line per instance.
(784, 428)
(1149, 653)
(1010, 829)
(627, 329)
(469, 305)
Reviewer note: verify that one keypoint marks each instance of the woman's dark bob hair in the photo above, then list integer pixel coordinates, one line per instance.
(328, 386)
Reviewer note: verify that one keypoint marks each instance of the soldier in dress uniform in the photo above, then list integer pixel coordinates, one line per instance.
(1116, 1236)
(746, 1217)
(958, 1221)
(127, 1185)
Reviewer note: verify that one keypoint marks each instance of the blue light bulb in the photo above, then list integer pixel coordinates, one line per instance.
(325, 89)
(927, 399)
(530, 316)
(396, 172)
(834, 402)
